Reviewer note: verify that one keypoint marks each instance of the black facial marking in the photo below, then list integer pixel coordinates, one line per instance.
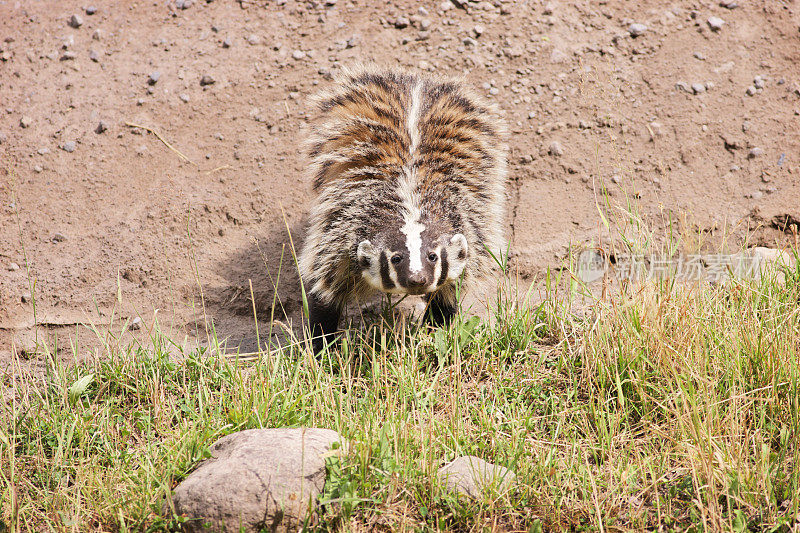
(385, 278)
(445, 267)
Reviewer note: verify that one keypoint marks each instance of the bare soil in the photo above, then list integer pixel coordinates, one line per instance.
(124, 226)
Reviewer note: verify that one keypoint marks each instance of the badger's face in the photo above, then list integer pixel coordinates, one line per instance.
(399, 265)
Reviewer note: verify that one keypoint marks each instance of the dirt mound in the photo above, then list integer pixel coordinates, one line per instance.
(104, 221)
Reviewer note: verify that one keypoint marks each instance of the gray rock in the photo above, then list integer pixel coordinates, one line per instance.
(38, 169)
(698, 88)
(729, 4)
(13, 267)
(253, 39)
(755, 152)
(26, 297)
(58, 237)
(259, 478)
(94, 56)
(91, 10)
(153, 78)
(751, 90)
(43, 150)
(184, 98)
(683, 86)
(68, 146)
(425, 24)
(135, 324)
(471, 476)
(401, 22)
(227, 43)
(755, 195)
(478, 30)
(298, 54)
(183, 4)
(76, 21)
(715, 23)
(758, 82)
(637, 29)
(101, 127)
(207, 79)
(69, 55)
(354, 40)
(556, 149)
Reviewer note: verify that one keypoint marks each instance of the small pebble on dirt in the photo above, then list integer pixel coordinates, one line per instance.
(354, 40)
(3, 137)
(227, 42)
(207, 79)
(556, 149)
(38, 169)
(91, 10)
(13, 267)
(729, 4)
(183, 4)
(58, 237)
(153, 78)
(755, 195)
(298, 55)
(401, 22)
(758, 82)
(135, 324)
(637, 29)
(754, 152)
(478, 30)
(751, 90)
(101, 127)
(253, 39)
(76, 21)
(715, 23)
(698, 88)
(43, 150)
(25, 297)
(68, 146)
(184, 98)
(94, 56)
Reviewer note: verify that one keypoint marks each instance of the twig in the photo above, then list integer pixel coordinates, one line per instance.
(160, 138)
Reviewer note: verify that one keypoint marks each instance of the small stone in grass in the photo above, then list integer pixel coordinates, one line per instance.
(135, 324)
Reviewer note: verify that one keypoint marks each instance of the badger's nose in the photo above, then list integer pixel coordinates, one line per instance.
(416, 281)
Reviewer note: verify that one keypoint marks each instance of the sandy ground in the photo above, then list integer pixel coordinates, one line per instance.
(689, 124)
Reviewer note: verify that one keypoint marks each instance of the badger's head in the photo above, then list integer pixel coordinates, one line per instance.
(412, 259)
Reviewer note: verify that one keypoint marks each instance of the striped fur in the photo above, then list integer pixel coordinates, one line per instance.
(404, 166)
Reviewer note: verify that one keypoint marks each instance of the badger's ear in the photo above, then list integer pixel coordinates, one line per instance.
(457, 252)
(366, 253)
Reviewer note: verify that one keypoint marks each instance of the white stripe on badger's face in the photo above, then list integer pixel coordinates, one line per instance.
(413, 231)
(412, 227)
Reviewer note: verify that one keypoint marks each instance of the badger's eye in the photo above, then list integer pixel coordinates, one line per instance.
(396, 259)
(432, 257)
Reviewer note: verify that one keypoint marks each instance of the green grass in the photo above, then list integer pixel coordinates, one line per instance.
(667, 406)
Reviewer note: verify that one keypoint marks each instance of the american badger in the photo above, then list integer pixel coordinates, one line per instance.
(410, 176)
